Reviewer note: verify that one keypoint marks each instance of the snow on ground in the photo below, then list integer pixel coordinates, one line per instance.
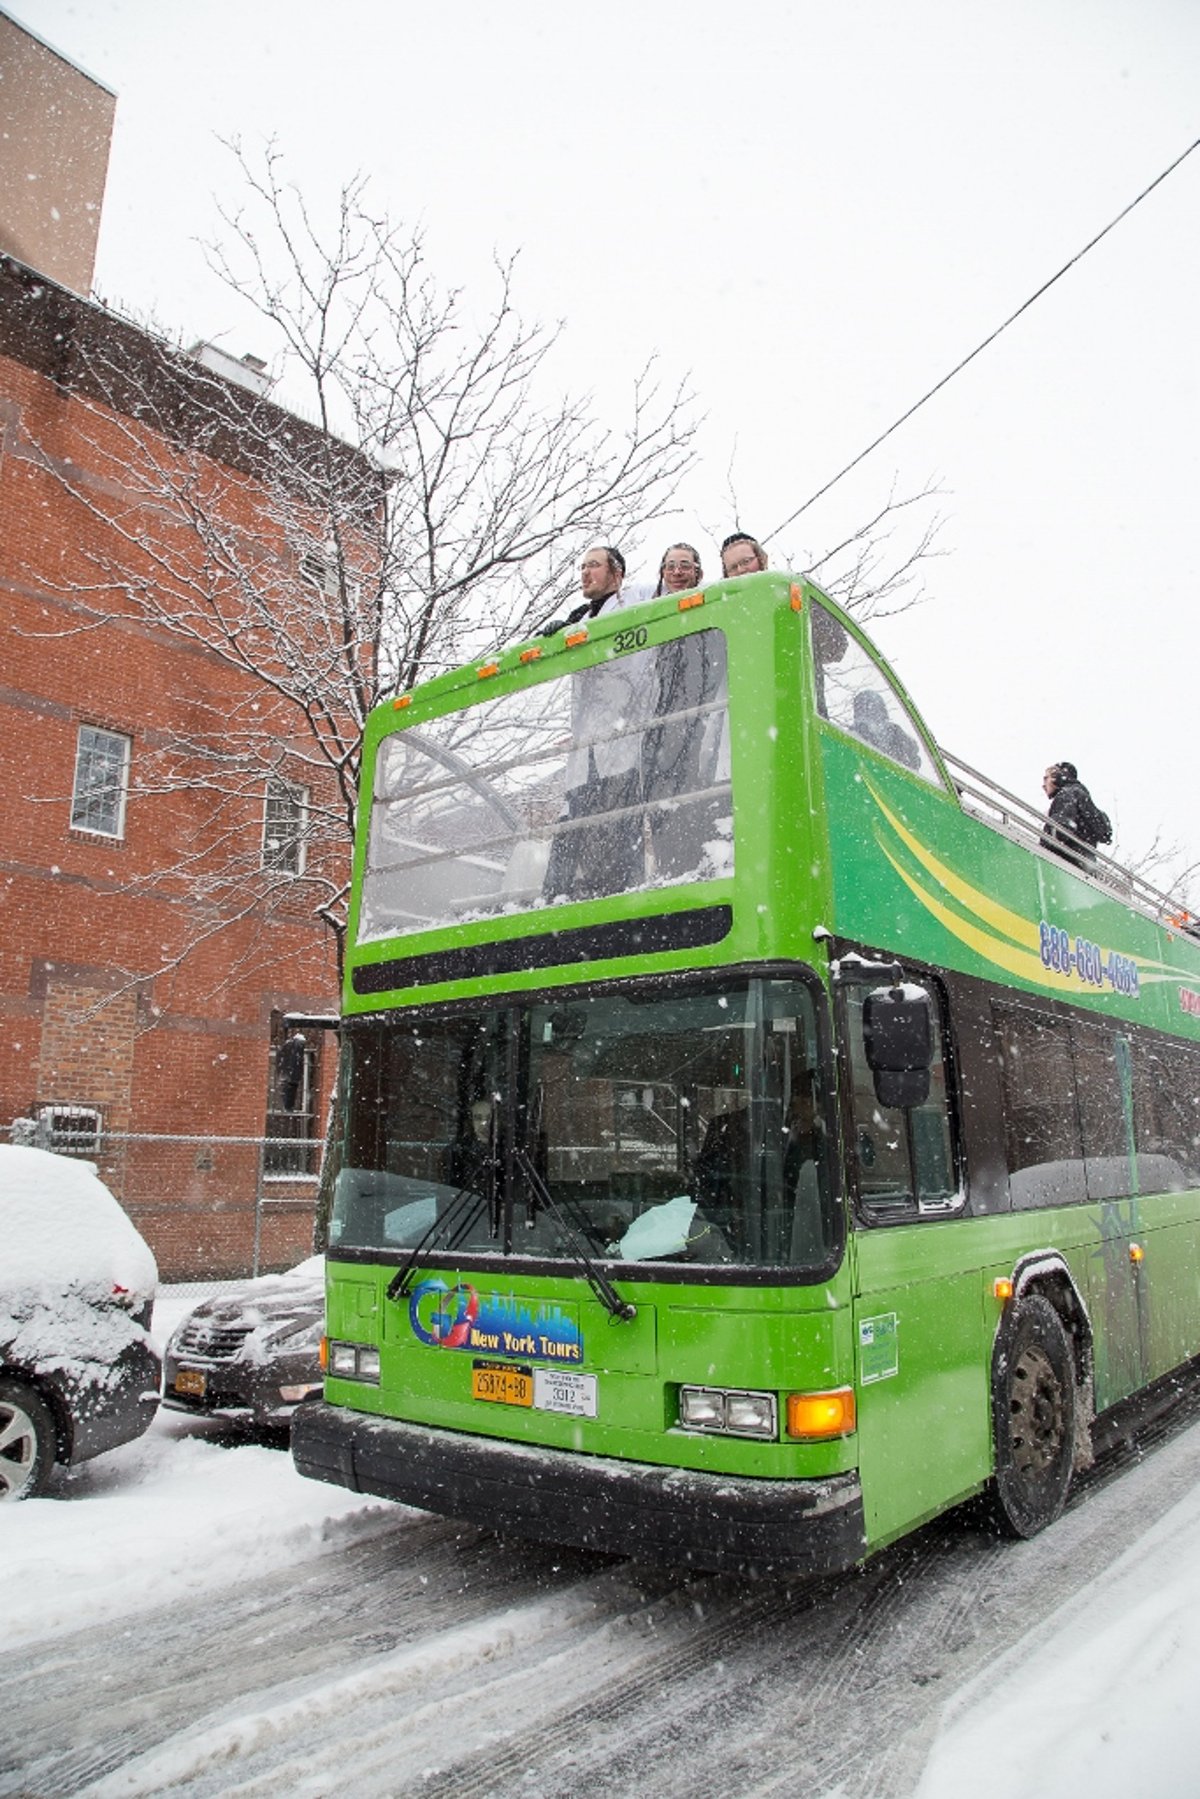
(180, 1511)
(1081, 1707)
(1101, 1702)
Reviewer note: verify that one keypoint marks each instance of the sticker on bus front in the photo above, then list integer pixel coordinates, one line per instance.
(878, 1348)
(554, 1390)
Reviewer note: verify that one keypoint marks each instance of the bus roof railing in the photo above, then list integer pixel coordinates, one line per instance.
(1014, 818)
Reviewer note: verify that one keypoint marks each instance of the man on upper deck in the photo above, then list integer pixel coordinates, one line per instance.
(742, 555)
(1074, 823)
(600, 576)
(598, 844)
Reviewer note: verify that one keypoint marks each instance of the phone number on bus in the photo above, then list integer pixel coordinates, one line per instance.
(1087, 960)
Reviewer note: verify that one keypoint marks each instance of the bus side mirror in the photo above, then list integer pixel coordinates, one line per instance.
(898, 1038)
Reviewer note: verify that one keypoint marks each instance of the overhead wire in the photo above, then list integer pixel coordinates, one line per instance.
(979, 348)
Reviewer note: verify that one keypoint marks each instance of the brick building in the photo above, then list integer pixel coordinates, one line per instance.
(162, 851)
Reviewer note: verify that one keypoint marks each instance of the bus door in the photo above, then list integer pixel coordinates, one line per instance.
(922, 1373)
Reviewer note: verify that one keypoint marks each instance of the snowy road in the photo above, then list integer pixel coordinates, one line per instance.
(395, 1654)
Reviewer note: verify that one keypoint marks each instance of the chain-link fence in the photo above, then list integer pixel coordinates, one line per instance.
(211, 1208)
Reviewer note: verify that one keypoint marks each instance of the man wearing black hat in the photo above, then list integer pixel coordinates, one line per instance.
(742, 554)
(1074, 823)
(600, 576)
(598, 847)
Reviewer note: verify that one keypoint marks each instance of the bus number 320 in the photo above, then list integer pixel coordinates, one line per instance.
(1086, 960)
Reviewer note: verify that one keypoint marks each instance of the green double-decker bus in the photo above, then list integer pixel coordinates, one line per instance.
(752, 1139)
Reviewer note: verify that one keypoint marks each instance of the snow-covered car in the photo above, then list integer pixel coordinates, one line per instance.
(78, 1371)
(252, 1355)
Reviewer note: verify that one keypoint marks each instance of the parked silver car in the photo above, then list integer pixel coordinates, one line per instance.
(78, 1372)
(250, 1356)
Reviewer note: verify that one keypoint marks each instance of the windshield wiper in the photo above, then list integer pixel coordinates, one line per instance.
(398, 1286)
(574, 1240)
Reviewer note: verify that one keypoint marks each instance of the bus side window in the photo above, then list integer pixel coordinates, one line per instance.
(904, 1156)
(853, 693)
(1166, 1108)
(1042, 1126)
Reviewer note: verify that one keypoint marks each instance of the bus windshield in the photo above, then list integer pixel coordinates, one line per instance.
(611, 779)
(683, 1124)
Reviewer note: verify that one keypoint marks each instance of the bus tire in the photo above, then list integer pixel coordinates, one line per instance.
(27, 1441)
(1033, 1418)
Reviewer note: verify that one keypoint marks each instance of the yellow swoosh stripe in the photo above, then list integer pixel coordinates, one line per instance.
(1020, 931)
(1005, 955)
(1010, 924)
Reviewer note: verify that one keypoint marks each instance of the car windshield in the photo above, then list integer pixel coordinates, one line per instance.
(685, 1125)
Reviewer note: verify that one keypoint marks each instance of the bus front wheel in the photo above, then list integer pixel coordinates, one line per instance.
(1033, 1418)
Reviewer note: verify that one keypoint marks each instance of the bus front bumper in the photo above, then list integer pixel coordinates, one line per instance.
(718, 1522)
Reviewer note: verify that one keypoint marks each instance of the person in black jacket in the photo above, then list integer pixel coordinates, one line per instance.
(1074, 823)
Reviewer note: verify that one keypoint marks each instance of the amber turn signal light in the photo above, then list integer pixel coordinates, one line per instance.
(821, 1414)
(1002, 1287)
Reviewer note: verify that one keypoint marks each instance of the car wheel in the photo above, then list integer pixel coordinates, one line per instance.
(27, 1441)
(1033, 1413)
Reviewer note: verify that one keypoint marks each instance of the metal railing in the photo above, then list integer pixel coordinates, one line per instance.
(986, 800)
(210, 1207)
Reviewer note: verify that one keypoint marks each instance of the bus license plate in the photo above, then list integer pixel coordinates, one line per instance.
(191, 1380)
(502, 1383)
(556, 1391)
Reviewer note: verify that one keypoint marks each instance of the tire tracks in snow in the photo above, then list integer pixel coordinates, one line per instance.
(438, 1659)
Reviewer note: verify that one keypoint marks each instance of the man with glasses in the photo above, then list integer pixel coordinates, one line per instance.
(679, 571)
(598, 844)
(742, 555)
(600, 576)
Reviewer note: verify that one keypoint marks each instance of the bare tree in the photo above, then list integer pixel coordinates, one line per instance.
(1166, 865)
(876, 570)
(425, 497)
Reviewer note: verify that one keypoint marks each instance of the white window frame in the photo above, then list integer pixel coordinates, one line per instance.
(278, 850)
(95, 747)
(318, 567)
(319, 570)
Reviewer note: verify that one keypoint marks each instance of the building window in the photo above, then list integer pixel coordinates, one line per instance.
(319, 569)
(292, 1086)
(318, 566)
(101, 782)
(285, 826)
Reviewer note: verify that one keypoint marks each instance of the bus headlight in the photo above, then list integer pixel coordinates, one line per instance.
(733, 1412)
(353, 1361)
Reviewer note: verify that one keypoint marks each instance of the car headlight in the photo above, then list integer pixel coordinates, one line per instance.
(300, 1336)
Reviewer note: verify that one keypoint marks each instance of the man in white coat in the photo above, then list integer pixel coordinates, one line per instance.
(610, 704)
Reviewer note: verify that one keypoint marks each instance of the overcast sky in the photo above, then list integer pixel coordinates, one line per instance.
(818, 210)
